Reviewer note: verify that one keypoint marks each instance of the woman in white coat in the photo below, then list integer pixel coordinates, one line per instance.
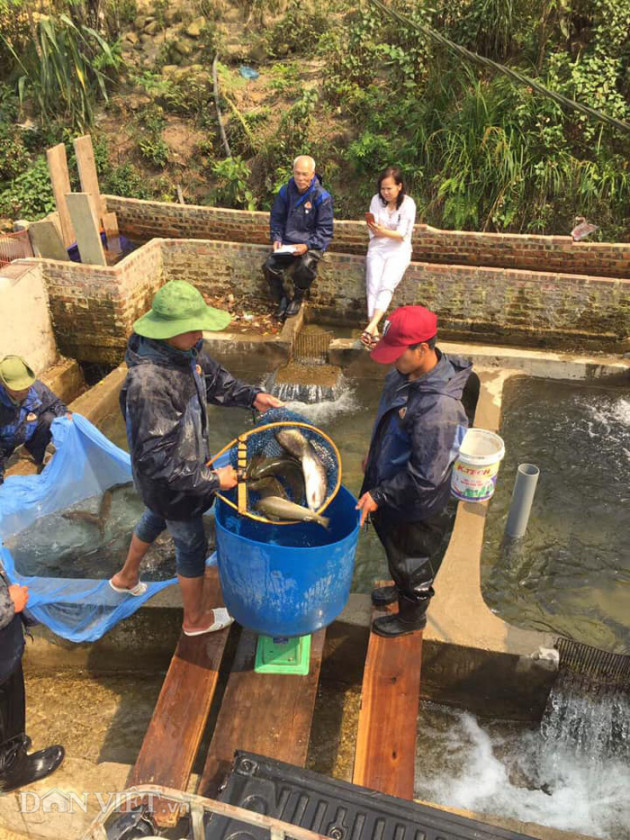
(390, 222)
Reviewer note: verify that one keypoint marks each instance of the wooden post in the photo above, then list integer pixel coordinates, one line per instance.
(88, 236)
(60, 179)
(46, 240)
(87, 174)
(110, 223)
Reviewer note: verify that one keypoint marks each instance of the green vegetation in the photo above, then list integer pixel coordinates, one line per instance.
(353, 86)
(62, 69)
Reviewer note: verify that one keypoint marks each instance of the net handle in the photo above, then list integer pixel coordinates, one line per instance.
(256, 430)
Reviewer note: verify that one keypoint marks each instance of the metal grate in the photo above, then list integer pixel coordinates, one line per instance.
(312, 347)
(599, 665)
(15, 246)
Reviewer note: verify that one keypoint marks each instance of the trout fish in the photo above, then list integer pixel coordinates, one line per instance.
(315, 481)
(99, 519)
(288, 470)
(268, 486)
(283, 509)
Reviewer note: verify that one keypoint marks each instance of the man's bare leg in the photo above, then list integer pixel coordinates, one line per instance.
(196, 614)
(129, 575)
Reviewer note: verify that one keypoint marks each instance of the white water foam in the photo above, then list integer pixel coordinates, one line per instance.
(323, 413)
(523, 777)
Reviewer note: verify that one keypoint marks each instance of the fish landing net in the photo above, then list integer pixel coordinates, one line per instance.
(258, 452)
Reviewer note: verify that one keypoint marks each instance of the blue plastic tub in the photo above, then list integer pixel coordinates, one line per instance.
(287, 580)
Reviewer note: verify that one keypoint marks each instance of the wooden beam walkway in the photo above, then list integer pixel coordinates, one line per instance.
(271, 714)
(390, 697)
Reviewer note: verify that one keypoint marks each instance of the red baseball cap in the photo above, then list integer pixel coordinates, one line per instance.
(405, 326)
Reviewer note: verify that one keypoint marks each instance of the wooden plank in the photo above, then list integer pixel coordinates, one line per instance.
(88, 236)
(47, 241)
(60, 179)
(110, 224)
(270, 714)
(176, 728)
(87, 174)
(386, 739)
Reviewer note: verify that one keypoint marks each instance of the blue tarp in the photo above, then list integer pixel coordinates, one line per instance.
(86, 464)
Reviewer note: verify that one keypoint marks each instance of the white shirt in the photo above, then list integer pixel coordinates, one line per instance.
(401, 220)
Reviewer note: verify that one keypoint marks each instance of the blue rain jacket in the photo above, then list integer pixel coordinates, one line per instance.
(18, 422)
(164, 402)
(306, 218)
(417, 434)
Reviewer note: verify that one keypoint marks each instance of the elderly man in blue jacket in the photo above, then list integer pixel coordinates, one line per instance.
(27, 409)
(301, 227)
(420, 424)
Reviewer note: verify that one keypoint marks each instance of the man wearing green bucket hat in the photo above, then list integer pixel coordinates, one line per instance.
(164, 399)
(27, 409)
(420, 424)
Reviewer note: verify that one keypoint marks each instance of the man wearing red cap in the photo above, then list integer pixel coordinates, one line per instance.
(419, 428)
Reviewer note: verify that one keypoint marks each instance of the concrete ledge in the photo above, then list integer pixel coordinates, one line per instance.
(64, 378)
(253, 356)
(102, 399)
(552, 365)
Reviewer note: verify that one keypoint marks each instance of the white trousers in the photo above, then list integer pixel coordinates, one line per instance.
(383, 272)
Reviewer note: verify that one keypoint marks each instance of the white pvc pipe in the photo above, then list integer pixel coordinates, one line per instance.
(522, 498)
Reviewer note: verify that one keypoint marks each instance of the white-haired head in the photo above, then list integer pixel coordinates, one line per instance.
(303, 171)
(306, 162)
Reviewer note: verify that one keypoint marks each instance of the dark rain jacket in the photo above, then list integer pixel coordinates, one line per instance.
(417, 434)
(306, 217)
(11, 633)
(18, 422)
(164, 402)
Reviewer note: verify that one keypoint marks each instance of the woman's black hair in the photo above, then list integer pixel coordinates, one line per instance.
(395, 173)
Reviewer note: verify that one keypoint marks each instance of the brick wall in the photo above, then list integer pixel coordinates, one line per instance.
(144, 219)
(93, 307)
(509, 306)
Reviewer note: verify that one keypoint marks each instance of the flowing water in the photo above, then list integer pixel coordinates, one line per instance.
(86, 540)
(571, 571)
(572, 773)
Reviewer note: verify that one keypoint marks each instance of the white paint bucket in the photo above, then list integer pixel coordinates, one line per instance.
(475, 470)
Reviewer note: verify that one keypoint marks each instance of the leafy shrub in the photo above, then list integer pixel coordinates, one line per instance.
(298, 31)
(126, 181)
(154, 151)
(13, 154)
(30, 194)
(232, 189)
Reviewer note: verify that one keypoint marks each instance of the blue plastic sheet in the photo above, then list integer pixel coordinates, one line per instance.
(248, 72)
(85, 465)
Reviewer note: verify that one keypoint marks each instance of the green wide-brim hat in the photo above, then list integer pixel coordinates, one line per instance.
(15, 374)
(179, 308)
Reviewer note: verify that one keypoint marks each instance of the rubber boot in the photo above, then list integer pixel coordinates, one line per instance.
(281, 311)
(277, 292)
(384, 595)
(411, 616)
(294, 306)
(17, 768)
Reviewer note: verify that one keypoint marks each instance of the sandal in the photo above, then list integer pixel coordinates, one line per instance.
(368, 340)
(221, 620)
(139, 589)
